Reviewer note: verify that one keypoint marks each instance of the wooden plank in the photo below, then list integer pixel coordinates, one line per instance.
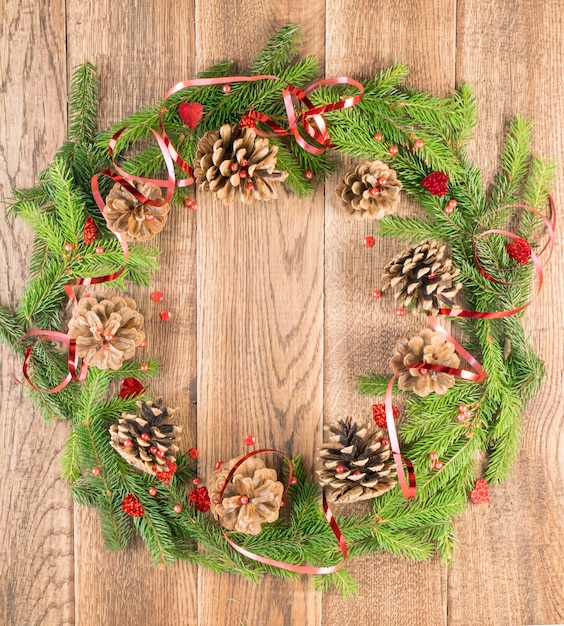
(260, 295)
(509, 569)
(36, 535)
(360, 332)
(141, 49)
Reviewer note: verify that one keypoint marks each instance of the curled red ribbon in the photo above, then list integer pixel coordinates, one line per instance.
(299, 569)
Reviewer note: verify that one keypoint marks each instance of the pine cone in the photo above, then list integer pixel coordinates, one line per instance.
(107, 329)
(131, 218)
(234, 162)
(144, 441)
(357, 463)
(251, 498)
(422, 276)
(425, 346)
(371, 190)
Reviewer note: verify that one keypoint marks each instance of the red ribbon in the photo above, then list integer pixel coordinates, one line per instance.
(299, 569)
(306, 111)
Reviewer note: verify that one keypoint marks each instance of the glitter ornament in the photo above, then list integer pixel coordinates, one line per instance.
(379, 414)
(130, 388)
(436, 183)
(519, 250)
(200, 499)
(132, 506)
(481, 493)
(194, 453)
(90, 231)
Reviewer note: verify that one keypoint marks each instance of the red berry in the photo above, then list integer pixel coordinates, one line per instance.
(153, 449)
(452, 203)
(149, 217)
(157, 296)
(250, 185)
(438, 465)
(378, 137)
(234, 167)
(436, 183)
(339, 469)
(369, 241)
(196, 481)
(108, 337)
(249, 440)
(160, 453)
(461, 417)
(244, 162)
(309, 174)
(127, 443)
(145, 436)
(449, 210)
(219, 464)
(68, 247)
(189, 203)
(95, 471)
(377, 293)
(243, 174)
(393, 150)
(144, 367)
(244, 499)
(194, 453)
(382, 181)
(141, 345)
(400, 312)
(165, 315)
(418, 144)
(194, 206)
(152, 491)
(379, 414)
(374, 192)
(385, 442)
(433, 456)
(294, 480)
(177, 508)
(226, 88)
(99, 250)
(519, 250)
(481, 493)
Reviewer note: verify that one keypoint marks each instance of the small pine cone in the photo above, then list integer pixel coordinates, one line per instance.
(252, 497)
(371, 190)
(134, 220)
(357, 463)
(234, 163)
(107, 329)
(422, 277)
(425, 346)
(144, 441)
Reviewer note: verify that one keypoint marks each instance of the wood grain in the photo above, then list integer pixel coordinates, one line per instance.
(260, 342)
(139, 56)
(508, 569)
(272, 313)
(36, 525)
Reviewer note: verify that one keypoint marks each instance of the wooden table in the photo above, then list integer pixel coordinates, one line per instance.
(272, 312)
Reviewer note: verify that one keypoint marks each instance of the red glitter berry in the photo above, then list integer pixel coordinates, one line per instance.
(247, 122)
(166, 477)
(90, 231)
(194, 453)
(165, 315)
(481, 493)
(379, 414)
(200, 498)
(249, 440)
(519, 250)
(132, 506)
(130, 388)
(436, 183)
(369, 241)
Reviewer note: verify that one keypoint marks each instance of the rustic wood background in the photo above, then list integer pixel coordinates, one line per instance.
(272, 312)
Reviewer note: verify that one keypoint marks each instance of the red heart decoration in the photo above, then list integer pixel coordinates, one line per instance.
(191, 113)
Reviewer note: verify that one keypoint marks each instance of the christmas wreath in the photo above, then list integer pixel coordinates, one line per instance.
(473, 256)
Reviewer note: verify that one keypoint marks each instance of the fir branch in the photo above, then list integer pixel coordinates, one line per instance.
(374, 385)
(278, 52)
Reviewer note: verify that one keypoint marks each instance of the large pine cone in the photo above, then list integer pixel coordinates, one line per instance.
(357, 463)
(370, 190)
(251, 498)
(107, 329)
(422, 276)
(235, 163)
(144, 441)
(425, 346)
(131, 218)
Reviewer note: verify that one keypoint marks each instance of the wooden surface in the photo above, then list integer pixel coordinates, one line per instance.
(272, 313)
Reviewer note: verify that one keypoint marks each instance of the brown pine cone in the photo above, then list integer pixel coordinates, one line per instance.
(251, 498)
(357, 463)
(370, 190)
(143, 440)
(234, 163)
(131, 218)
(423, 276)
(424, 346)
(107, 329)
